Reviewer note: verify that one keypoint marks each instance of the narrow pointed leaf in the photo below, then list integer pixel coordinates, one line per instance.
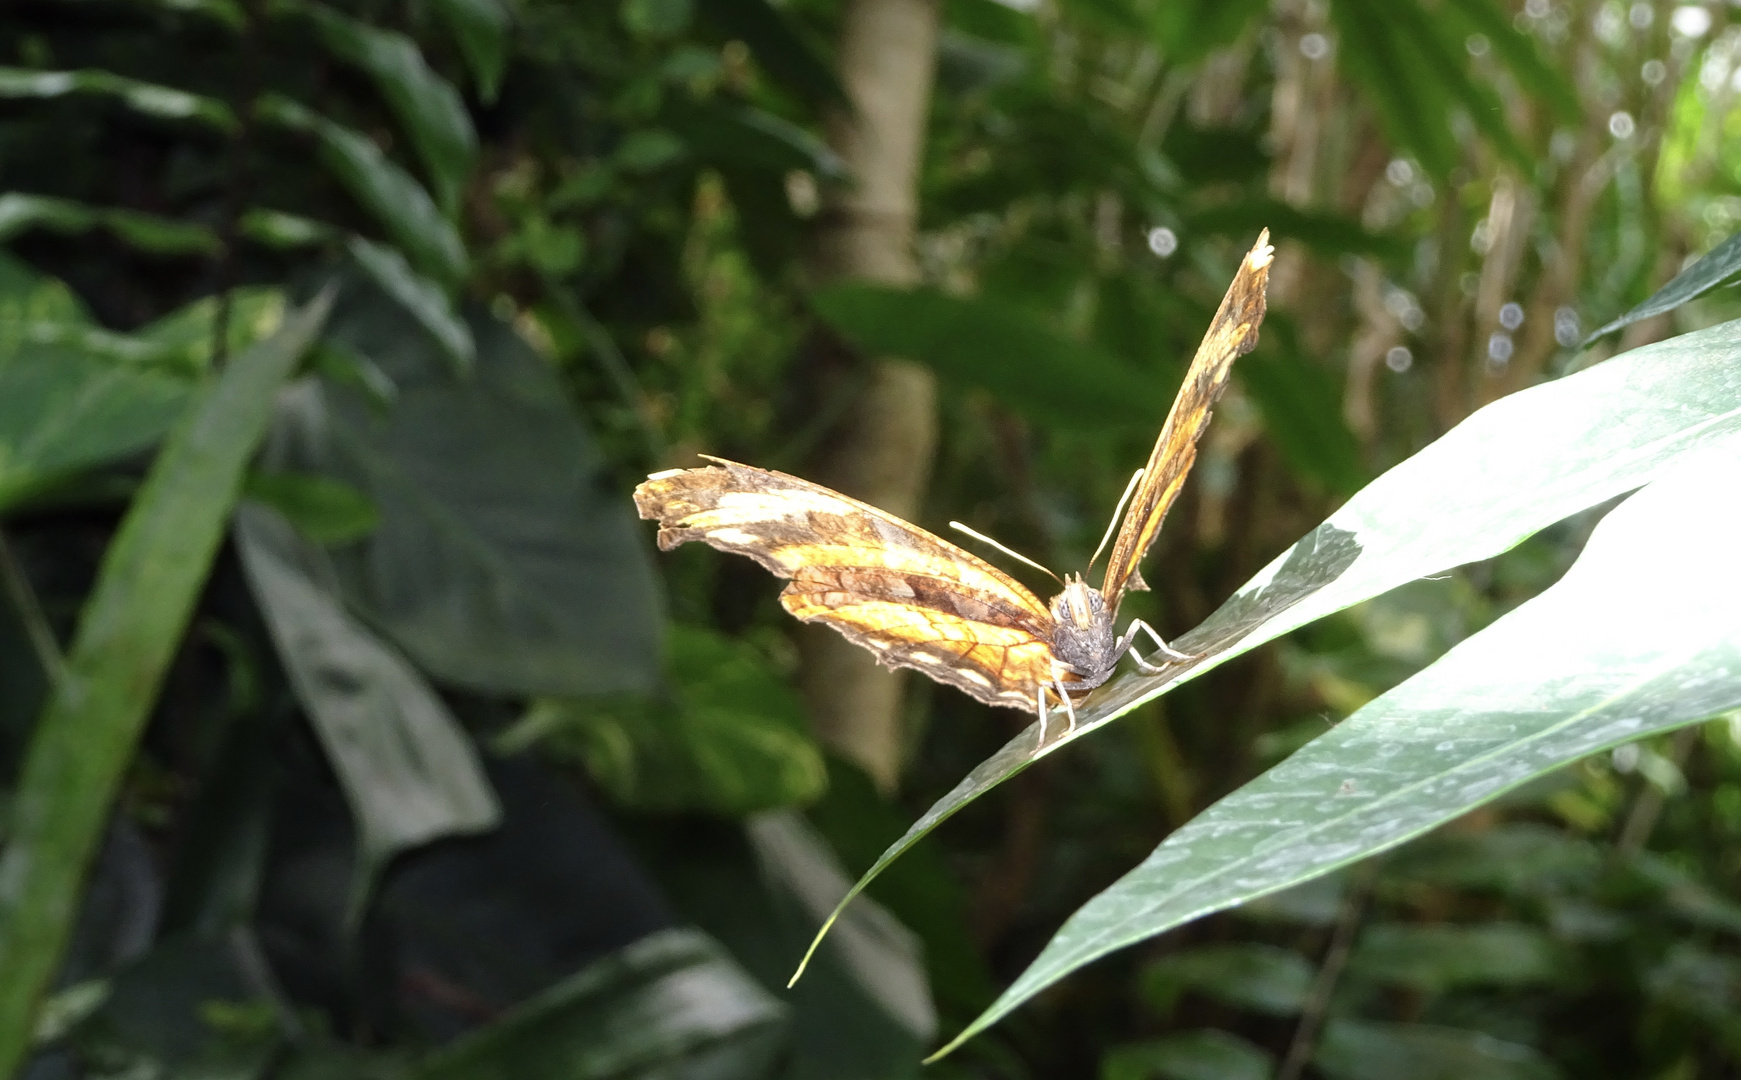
(1721, 266)
(481, 29)
(129, 631)
(1511, 469)
(149, 99)
(1641, 635)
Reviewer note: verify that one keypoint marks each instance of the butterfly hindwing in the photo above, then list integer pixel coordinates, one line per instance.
(1232, 334)
(912, 598)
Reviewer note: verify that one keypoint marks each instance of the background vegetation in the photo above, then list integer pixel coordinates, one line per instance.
(349, 725)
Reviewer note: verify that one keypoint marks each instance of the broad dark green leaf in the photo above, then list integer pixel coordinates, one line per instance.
(182, 340)
(673, 1004)
(1437, 958)
(1511, 469)
(729, 135)
(425, 104)
(777, 46)
(420, 297)
(481, 28)
(728, 736)
(185, 1009)
(501, 563)
(1519, 859)
(1189, 1055)
(1245, 975)
(1019, 359)
(147, 232)
(379, 185)
(1720, 266)
(128, 632)
(1367, 1050)
(1543, 686)
(150, 99)
(409, 771)
(324, 510)
(63, 411)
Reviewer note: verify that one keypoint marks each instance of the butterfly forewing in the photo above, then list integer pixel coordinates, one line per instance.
(1232, 334)
(912, 598)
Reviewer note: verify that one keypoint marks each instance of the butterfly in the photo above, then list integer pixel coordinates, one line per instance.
(918, 601)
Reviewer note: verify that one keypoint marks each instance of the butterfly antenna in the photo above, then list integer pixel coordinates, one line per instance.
(1117, 513)
(982, 538)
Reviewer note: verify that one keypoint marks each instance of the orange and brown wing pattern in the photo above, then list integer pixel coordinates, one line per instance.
(1232, 334)
(913, 599)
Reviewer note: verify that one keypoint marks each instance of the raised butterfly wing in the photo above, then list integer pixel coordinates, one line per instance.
(913, 599)
(1232, 334)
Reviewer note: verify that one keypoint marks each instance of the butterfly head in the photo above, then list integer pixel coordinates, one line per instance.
(1082, 638)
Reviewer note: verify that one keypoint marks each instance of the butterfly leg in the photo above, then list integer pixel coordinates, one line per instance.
(1040, 707)
(1161, 647)
(1069, 706)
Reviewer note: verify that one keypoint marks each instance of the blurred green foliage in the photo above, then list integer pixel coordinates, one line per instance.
(448, 776)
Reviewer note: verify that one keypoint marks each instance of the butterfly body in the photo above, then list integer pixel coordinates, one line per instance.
(917, 601)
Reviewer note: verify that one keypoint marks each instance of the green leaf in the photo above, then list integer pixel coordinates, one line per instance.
(1439, 53)
(730, 738)
(777, 46)
(420, 297)
(1002, 349)
(285, 232)
(721, 133)
(128, 632)
(147, 232)
(1511, 469)
(1519, 859)
(1189, 30)
(1189, 1055)
(182, 340)
(1412, 106)
(27, 296)
(1720, 266)
(1245, 975)
(1301, 405)
(408, 769)
(425, 104)
(673, 1004)
(1367, 1050)
(1434, 959)
(324, 510)
(481, 29)
(1541, 687)
(161, 102)
(63, 411)
(1519, 51)
(502, 563)
(387, 191)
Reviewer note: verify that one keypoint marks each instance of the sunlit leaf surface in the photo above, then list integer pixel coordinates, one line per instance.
(1511, 469)
(1640, 636)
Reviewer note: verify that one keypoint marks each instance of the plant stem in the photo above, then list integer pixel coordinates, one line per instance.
(1329, 972)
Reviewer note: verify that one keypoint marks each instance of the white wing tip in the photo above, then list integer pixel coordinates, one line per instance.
(666, 474)
(1262, 253)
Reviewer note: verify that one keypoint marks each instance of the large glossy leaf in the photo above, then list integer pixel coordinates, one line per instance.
(672, 1005)
(129, 630)
(501, 563)
(409, 771)
(999, 348)
(1511, 469)
(1189, 1055)
(727, 735)
(1720, 266)
(62, 411)
(1433, 959)
(1543, 686)
(426, 105)
(387, 191)
(162, 102)
(1365, 1050)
